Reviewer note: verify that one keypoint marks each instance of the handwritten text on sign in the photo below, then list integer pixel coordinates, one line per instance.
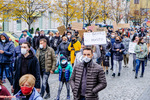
(132, 47)
(95, 38)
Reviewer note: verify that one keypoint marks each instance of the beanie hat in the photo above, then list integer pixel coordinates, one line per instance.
(22, 40)
(62, 57)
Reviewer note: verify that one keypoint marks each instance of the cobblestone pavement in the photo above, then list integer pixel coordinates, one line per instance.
(124, 87)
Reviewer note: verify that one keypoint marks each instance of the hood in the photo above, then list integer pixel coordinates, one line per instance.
(29, 56)
(5, 35)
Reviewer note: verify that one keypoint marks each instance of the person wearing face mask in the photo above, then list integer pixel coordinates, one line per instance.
(27, 90)
(56, 40)
(47, 60)
(42, 36)
(74, 47)
(141, 52)
(35, 40)
(26, 36)
(112, 40)
(69, 35)
(27, 63)
(63, 47)
(118, 49)
(87, 78)
(65, 71)
(6, 56)
(77, 36)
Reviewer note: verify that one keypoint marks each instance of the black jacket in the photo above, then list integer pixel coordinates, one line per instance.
(33, 68)
(63, 49)
(35, 42)
(55, 42)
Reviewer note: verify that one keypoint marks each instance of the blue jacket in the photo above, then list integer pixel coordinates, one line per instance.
(34, 96)
(8, 48)
(68, 72)
(116, 54)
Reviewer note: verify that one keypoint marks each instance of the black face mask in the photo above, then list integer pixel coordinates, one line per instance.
(24, 34)
(73, 40)
(117, 41)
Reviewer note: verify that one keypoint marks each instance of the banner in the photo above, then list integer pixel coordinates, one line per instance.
(124, 25)
(81, 33)
(100, 29)
(95, 38)
(132, 47)
(61, 29)
(115, 26)
(77, 26)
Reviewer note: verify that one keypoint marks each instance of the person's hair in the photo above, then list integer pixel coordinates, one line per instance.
(64, 37)
(88, 48)
(44, 40)
(28, 44)
(51, 32)
(140, 40)
(27, 78)
(1, 83)
(119, 38)
(57, 33)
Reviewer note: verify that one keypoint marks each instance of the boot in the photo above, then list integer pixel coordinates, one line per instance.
(47, 96)
(135, 76)
(118, 74)
(113, 74)
(106, 71)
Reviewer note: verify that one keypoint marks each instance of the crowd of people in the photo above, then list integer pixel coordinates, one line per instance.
(77, 64)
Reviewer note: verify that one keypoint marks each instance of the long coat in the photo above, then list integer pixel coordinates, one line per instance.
(76, 47)
(96, 81)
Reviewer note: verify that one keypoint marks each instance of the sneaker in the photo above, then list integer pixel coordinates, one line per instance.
(141, 76)
(118, 74)
(111, 68)
(113, 74)
(133, 70)
(135, 77)
(47, 96)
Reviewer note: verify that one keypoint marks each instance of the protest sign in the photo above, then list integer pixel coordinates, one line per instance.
(95, 38)
(81, 33)
(115, 26)
(61, 29)
(93, 28)
(132, 47)
(77, 26)
(100, 29)
(124, 25)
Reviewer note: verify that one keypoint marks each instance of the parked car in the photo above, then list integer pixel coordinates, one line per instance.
(46, 31)
(14, 37)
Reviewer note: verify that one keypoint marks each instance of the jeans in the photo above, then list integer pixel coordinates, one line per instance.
(112, 60)
(138, 66)
(134, 61)
(6, 69)
(60, 88)
(45, 85)
(115, 66)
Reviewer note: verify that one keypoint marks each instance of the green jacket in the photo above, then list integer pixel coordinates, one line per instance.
(139, 54)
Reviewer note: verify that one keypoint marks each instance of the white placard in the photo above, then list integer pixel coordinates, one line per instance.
(95, 38)
(132, 47)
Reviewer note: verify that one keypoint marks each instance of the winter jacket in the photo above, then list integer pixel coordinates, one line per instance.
(35, 42)
(142, 34)
(63, 49)
(139, 54)
(50, 59)
(96, 81)
(55, 42)
(74, 47)
(8, 48)
(126, 42)
(117, 55)
(33, 68)
(68, 72)
(34, 96)
(50, 40)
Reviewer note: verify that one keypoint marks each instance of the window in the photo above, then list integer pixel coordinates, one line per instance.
(19, 25)
(6, 26)
(41, 22)
(136, 1)
(50, 19)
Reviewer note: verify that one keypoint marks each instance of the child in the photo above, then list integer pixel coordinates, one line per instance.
(65, 71)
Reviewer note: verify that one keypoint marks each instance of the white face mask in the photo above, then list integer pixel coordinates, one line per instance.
(112, 35)
(64, 62)
(86, 59)
(36, 34)
(23, 51)
(68, 36)
(41, 46)
(3, 41)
